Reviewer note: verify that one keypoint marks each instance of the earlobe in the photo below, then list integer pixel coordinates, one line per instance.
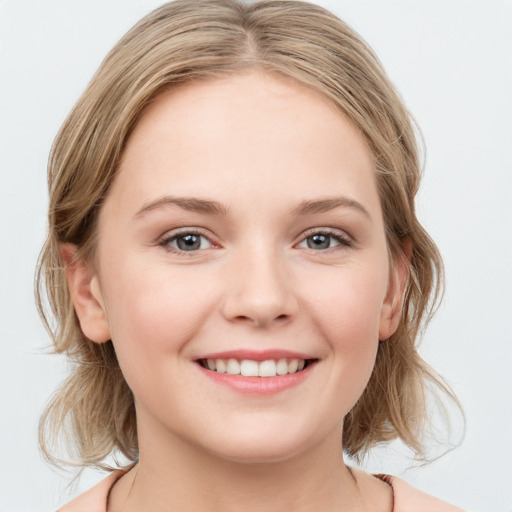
(391, 312)
(86, 295)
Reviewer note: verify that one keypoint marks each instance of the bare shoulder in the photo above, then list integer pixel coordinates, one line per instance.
(407, 498)
(377, 493)
(95, 499)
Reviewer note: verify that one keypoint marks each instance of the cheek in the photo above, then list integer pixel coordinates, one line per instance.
(348, 315)
(153, 315)
(347, 304)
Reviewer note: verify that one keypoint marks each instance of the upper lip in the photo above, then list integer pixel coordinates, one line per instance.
(257, 355)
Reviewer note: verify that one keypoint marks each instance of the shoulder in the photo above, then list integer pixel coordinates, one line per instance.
(408, 499)
(95, 499)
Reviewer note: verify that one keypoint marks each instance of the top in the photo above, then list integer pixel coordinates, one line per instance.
(405, 497)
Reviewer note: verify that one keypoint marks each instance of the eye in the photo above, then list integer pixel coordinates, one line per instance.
(322, 240)
(186, 241)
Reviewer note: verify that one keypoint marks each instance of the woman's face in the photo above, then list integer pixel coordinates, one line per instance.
(243, 233)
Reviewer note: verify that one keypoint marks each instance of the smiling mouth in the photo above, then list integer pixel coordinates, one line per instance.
(252, 368)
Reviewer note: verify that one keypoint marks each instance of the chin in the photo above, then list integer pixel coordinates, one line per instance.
(248, 453)
(265, 445)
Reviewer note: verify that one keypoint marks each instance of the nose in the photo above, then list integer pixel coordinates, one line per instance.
(259, 291)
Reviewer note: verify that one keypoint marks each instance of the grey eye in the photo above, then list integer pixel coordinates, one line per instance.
(189, 242)
(320, 241)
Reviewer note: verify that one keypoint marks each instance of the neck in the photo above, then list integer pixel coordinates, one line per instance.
(178, 476)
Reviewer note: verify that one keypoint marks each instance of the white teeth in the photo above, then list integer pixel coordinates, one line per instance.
(221, 366)
(282, 367)
(233, 367)
(293, 365)
(267, 368)
(251, 368)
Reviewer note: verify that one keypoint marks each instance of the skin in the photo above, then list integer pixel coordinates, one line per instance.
(260, 146)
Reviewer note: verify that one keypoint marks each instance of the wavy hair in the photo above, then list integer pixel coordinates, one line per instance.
(189, 40)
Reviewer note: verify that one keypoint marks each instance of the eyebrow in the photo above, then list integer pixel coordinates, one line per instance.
(191, 204)
(210, 207)
(330, 203)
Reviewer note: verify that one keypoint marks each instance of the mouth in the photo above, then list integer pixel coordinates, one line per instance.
(255, 368)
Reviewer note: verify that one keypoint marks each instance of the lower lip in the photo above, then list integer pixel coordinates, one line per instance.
(259, 385)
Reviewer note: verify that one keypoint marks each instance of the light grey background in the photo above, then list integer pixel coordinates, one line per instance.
(451, 60)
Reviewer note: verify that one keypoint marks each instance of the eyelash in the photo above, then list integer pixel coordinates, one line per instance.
(344, 241)
(168, 239)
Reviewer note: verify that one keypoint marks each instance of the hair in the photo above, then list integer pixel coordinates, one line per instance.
(189, 40)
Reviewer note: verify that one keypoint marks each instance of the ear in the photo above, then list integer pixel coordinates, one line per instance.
(391, 311)
(86, 295)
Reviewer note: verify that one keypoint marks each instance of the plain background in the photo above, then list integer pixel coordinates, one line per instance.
(451, 61)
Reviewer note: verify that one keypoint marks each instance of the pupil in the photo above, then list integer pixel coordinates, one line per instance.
(318, 242)
(189, 242)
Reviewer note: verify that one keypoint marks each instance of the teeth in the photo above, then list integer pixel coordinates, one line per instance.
(282, 367)
(250, 368)
(267, 368)
(293, 365)
(233, 367)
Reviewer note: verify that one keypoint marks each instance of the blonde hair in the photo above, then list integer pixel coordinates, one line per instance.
(190, 40)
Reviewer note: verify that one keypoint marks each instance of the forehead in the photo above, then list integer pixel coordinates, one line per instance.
(259, 132)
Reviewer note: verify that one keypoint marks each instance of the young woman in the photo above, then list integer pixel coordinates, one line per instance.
(236, 267)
